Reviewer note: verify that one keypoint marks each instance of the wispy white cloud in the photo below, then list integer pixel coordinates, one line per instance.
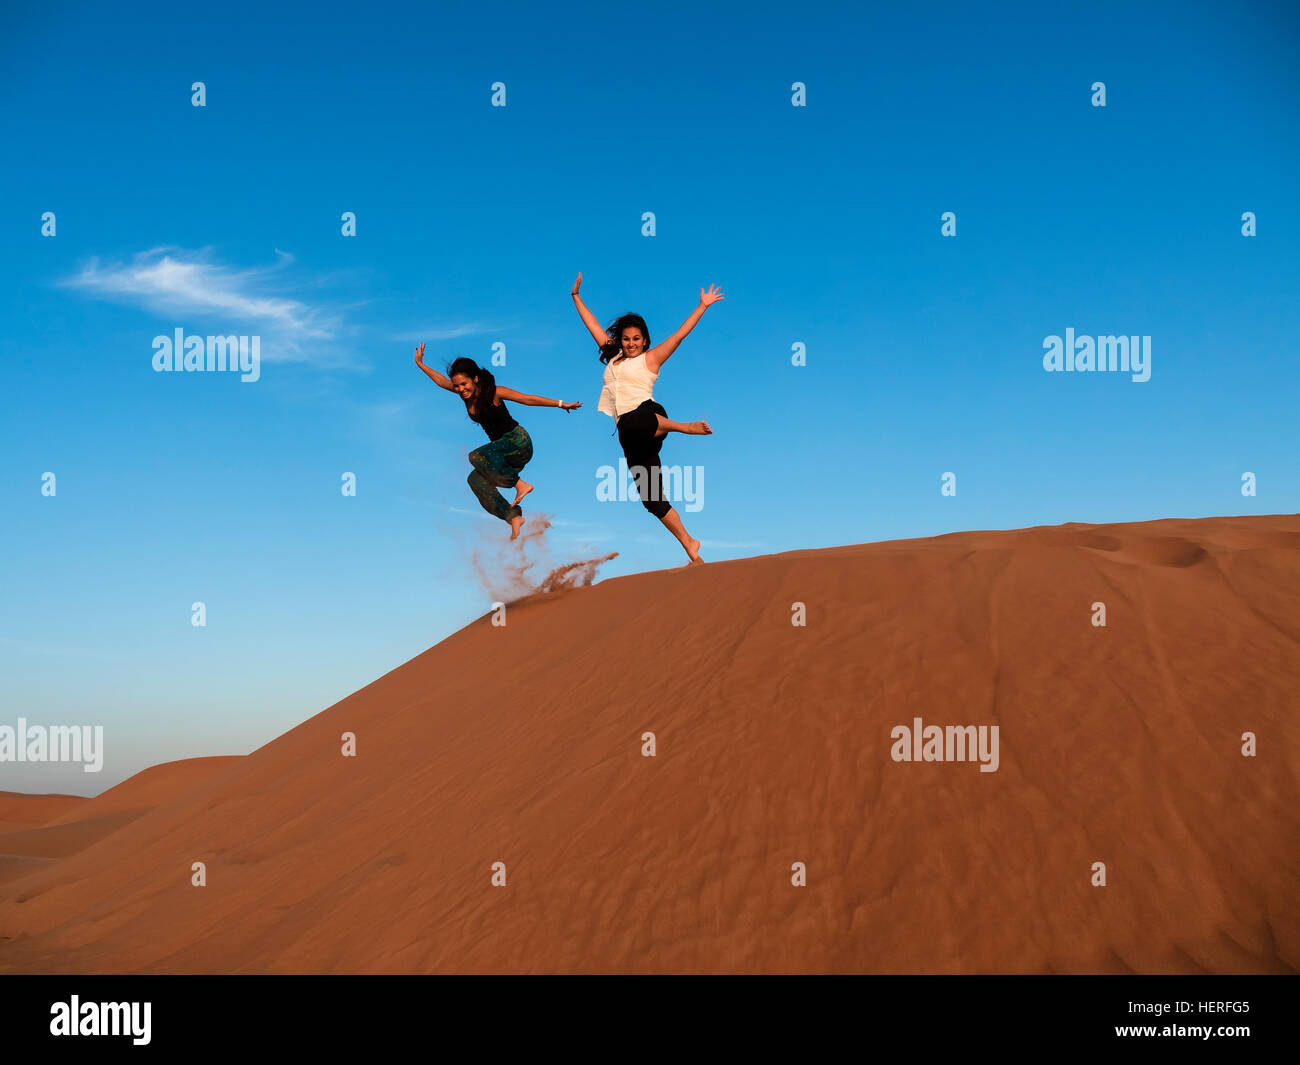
(448, 332)
(388, 411)
(175, 281)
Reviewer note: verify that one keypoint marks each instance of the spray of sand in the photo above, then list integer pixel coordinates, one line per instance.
(510, 571)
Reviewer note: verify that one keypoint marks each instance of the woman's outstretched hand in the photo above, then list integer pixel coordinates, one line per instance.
(576, 285)
(566, 407)
(707, 298)
(419, 355)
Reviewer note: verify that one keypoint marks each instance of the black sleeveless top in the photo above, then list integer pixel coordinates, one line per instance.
(496, 420)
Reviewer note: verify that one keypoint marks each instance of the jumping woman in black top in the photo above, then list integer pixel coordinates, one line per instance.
(497, 464)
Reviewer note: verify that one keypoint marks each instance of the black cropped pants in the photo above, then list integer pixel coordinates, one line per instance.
(636, 432)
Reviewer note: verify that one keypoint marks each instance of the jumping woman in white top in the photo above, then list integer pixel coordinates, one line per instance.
(631, 369)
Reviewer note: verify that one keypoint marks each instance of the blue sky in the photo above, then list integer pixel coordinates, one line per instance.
(821, 224)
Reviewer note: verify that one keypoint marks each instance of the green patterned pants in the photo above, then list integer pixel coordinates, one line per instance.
(497, 465)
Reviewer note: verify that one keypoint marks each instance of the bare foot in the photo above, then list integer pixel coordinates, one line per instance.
(693, 552)
(666, 426)
(522, 488)
(515, 525)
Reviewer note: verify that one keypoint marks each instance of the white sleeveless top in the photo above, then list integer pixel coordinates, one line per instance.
(628, 384)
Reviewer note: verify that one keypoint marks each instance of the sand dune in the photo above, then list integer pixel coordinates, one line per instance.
(74, 823)
(522, 744)
(148, 788)
(18, 811)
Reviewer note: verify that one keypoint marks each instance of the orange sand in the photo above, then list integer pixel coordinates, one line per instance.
(522, 744)
(55, 826)
(26, 811)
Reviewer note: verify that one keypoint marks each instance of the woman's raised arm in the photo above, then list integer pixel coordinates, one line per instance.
(533, 401)
(658, 355)
(598, 333)
(438, 379)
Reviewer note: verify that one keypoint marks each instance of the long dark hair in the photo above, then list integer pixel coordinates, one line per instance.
(615, 330)
(487, 385)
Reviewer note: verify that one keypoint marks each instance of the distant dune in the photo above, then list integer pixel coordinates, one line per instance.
(37, 828)
(522, 744)
(26, 811)
(148, 788)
